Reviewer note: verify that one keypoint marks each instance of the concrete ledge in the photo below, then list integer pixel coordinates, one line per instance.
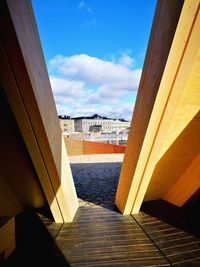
(97, 158)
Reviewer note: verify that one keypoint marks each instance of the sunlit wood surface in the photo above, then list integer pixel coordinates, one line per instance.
(100, 236)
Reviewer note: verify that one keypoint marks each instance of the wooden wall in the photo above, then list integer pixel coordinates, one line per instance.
(74, 147)
(101, 148)
(79, 147)
(167, 164)
(19, 184)
(7, 234)
(162, 33)
(26, 85)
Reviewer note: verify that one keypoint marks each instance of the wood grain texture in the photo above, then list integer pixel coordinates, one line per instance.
(74, 147)
(186, 185)
(29, 93)
(171, 168)
(19, 185)
(176, 245)
(82, 147)
(100, 148)
(179, 139)
(7, 234)
(101, 237)
(162, 33)
(180, 65)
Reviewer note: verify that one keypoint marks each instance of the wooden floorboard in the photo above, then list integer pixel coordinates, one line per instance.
(103, 237)
(178, 247)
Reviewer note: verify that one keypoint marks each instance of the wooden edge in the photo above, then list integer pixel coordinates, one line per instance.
(25, 126)
(181, 58)
(165, 21)
(7, 236)
(186, 186)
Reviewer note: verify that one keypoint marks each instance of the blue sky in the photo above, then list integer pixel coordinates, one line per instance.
(94, 51)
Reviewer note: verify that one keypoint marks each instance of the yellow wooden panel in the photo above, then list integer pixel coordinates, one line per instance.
(181, 142)
(186, 185)
(40, 106)
(162, 33)
(178, 69)
(30, 96)
(74, 147)
(175, 162)
(25, 127)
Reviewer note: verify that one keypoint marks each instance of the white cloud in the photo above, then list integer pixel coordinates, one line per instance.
(116, 110)
(84, 85)
(126, 61)
(123, 58)
(94, 70)
(119, 110)
(66, 87)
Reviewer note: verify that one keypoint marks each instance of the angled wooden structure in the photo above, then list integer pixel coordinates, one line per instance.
(162, 158)
(34, 168)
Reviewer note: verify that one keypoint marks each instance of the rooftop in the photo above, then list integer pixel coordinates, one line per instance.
(96, 116)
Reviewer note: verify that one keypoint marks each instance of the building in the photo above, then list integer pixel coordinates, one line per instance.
(103, 124)
(121, 125)
(66, 124)
(162, 157)
(95, 128)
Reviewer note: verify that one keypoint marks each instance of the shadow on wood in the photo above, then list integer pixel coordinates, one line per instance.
(35, 245)
(184, 218)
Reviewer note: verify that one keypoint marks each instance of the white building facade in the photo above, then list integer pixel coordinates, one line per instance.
(102, 124)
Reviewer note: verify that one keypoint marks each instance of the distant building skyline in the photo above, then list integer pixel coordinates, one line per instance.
(89, 124)
(94, 116)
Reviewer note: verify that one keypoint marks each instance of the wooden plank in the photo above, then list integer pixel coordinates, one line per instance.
(10, 205)
(175, 162)
(100, 148)
(19, 186)
(79, 147)
(174, 243)
(50, 139)
(74, 147)
(78, 244)
(25, 127)
(162, 34)
(182, 58)
(186, 186)
(22, 48)
(107, 239)
(7, 234)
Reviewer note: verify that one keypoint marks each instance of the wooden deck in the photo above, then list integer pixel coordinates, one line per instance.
(177, 246)
(102, 237)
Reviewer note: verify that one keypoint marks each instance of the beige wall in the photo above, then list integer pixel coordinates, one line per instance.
(67, 126)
